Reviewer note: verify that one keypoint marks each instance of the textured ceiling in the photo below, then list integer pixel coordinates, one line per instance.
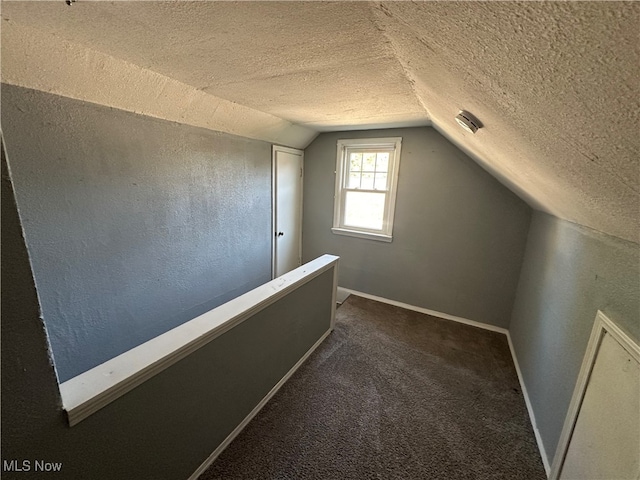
(556, 85)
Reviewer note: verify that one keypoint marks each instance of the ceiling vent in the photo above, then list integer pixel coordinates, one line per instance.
(468, 122)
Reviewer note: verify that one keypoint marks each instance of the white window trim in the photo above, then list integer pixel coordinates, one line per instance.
(386, 234)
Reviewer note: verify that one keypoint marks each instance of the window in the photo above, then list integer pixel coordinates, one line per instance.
(366, 181)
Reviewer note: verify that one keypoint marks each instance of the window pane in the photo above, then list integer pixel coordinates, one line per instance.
(367, 181)
(364, 210)
(369, 163)
(382, 162)
(354, 180)
(381, 181)
(355, 162)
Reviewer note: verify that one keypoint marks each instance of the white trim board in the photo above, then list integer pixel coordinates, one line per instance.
(88, 392)
(334, 295)
(603, 325)
(342, 295)
(216, 453)
(426, 311)
(485, 326)
(532, 417)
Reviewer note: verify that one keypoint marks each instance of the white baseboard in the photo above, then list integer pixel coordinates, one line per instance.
(532, 417)
(342, 295)
(433, 313)
(486, 326)
(255, 411)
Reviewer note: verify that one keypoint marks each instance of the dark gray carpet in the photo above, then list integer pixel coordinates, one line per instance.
(392, 394)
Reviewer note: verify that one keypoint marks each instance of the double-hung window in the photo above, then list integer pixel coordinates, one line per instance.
(366, 183)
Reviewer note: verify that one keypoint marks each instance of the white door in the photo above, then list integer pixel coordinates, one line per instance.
(606, 438)
(601, 436)
(287, 209)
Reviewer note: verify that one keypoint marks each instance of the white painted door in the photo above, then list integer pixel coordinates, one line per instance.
(287, 209)
(601, 437)
(606, 439)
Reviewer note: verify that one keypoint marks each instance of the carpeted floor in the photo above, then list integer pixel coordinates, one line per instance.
(392, 394)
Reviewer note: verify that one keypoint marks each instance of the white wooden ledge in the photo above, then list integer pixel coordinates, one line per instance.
(96, 388)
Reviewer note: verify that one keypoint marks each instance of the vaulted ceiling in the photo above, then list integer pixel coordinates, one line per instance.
(555, 84)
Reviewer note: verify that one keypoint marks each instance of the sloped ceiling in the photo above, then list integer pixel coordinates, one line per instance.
(556, 85)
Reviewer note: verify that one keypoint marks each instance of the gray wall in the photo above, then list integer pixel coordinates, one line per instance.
(166, 427)
(134, 225)
(458, 239)
(569, 272)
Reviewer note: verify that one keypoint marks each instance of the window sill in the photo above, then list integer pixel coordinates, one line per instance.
(380, 237)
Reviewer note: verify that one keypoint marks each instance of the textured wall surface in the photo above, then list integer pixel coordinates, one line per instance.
(458, 237)
(30, 397)
(554, 83)
(166, 427)
(134, 225)
(569, 273)
(52, 64)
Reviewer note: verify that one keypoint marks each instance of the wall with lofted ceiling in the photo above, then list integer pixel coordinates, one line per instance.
(568, 274)
(134, 225)
(555, 84)
(166, 427)
(458, 236)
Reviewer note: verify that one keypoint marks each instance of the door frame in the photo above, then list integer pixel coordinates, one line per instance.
(274, 197)
(602, 325)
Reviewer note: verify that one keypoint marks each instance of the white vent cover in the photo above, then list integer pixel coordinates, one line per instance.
(468, 122)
